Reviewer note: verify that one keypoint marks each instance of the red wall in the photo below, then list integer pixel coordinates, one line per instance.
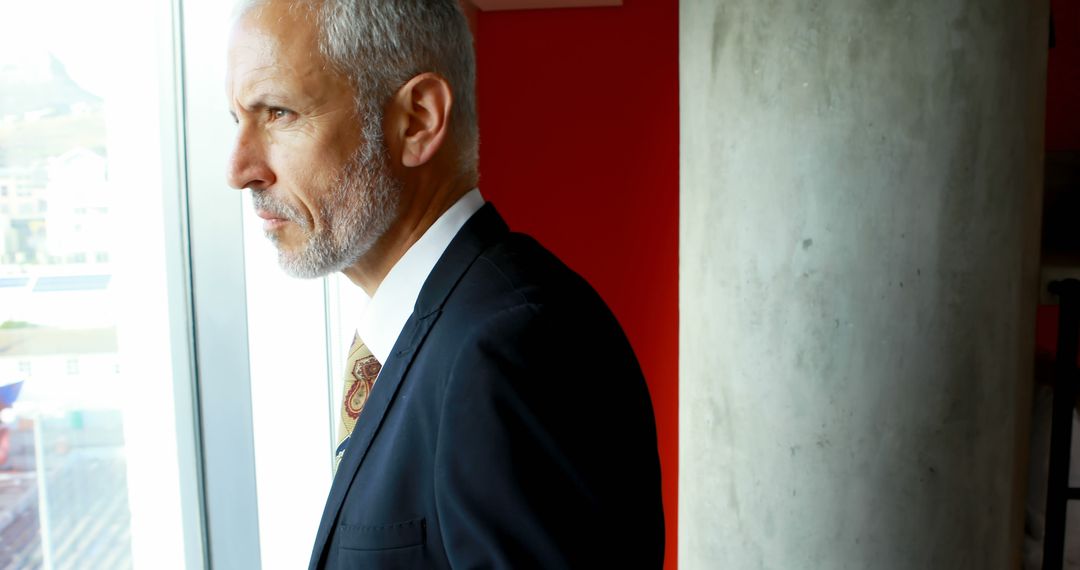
(579, 127)
(1063, 79)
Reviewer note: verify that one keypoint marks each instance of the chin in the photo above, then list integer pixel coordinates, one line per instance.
(298, 270)
(296, 263)
(309, 263)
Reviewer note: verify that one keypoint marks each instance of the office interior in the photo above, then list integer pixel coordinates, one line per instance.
(828, 228)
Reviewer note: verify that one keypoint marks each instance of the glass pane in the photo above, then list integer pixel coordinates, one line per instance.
(287, 344)
(88, 430)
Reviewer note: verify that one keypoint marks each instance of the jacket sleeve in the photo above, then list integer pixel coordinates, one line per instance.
(546, 455)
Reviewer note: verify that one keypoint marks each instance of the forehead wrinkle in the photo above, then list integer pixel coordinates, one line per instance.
(250, 72)
(247, 93)
(275, 57)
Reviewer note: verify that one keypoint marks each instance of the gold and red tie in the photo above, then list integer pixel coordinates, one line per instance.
(361, 370)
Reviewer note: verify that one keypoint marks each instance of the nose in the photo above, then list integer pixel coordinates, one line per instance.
(248, 165)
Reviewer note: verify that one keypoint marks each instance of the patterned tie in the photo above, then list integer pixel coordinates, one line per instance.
(361, 370)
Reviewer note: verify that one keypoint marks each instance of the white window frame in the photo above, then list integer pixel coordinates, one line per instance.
(265, 355)
(218, 310)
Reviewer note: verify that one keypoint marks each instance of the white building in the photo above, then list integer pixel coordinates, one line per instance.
(77, 220)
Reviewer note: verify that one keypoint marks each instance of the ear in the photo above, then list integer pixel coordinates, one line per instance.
(421, 118)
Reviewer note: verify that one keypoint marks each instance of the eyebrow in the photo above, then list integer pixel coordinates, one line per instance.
(260, 103)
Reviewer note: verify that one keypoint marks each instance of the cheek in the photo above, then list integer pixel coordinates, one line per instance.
(314, 160)
(304, 180)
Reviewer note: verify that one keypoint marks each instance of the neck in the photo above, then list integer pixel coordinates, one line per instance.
(419, 208)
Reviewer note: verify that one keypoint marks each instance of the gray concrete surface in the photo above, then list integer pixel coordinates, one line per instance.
(859, 222)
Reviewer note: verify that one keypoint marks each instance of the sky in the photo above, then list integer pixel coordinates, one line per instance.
(81, 33)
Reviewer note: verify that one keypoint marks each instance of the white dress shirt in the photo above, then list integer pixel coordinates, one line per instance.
(388, 310)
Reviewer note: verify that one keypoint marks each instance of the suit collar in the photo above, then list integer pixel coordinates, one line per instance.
(482, 229)
(389, 309)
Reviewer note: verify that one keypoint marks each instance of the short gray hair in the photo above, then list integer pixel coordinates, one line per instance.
(381, 44)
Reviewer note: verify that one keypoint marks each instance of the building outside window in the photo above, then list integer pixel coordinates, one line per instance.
(96, 468)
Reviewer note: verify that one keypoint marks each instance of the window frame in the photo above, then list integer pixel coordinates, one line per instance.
(212, 245)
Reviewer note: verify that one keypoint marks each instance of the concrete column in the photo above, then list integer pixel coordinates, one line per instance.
(859, 247)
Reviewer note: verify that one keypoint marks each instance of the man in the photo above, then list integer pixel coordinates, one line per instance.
(501, 419)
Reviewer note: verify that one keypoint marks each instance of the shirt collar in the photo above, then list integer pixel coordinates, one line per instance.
(393, 302)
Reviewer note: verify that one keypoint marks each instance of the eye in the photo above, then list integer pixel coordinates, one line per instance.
(277, 113)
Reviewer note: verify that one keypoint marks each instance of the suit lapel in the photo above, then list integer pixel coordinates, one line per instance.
(476, 235)
(382, 394)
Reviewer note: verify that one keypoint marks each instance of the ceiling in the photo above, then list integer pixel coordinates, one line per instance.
(492, 5)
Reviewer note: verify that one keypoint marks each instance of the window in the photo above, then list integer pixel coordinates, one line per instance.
(98, 413)
(126, 252)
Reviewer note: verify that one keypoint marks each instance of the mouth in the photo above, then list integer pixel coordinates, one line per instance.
(271, 221)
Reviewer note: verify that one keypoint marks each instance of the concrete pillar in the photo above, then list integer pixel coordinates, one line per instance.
(859, 248)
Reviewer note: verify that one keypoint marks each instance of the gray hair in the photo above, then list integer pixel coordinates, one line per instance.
(381, 44)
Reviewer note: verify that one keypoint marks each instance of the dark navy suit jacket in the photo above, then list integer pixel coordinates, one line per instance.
(509, 428)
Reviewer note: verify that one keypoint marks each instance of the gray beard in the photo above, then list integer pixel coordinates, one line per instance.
(360, 208)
